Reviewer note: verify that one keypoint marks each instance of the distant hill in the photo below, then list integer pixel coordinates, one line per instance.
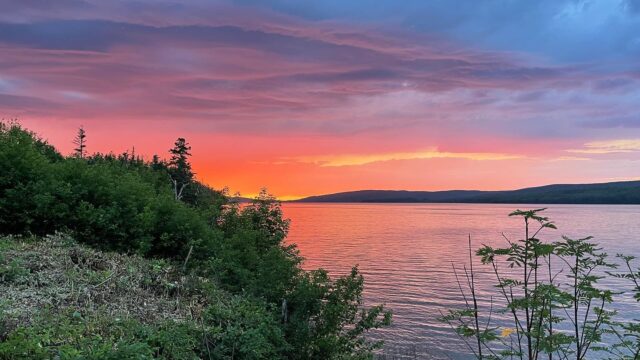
(240, 199)
(627, 192)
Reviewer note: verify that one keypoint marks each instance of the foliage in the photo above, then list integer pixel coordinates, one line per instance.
(626, 331)
(551, 292)
(239, 328)
(74, 335)
(337, 315)
(27, 195)
(113, 202)
(258, 302)
(255, 258)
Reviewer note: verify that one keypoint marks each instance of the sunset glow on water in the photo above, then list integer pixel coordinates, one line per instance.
(405, 252)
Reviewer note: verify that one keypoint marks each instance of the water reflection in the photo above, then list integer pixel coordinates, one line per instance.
(405, 252)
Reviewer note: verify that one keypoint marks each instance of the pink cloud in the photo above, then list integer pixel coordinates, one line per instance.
(254, 87)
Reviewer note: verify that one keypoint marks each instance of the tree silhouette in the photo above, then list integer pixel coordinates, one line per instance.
(180, 168)
(81, 143)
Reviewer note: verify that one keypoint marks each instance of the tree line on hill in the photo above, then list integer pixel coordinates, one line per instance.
(621, 192)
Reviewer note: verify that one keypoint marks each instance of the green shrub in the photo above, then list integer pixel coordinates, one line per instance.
(243, 329)
(339, 319)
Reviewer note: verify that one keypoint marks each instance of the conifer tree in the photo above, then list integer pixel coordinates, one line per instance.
(180, 168)
(81, 143)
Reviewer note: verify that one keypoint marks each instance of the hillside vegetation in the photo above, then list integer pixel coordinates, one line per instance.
(623, 192)
(113, 257)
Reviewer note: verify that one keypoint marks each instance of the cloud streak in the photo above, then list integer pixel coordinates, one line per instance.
(364, 159)
(609, 147)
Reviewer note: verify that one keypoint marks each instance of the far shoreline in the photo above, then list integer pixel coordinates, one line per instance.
(611, 193)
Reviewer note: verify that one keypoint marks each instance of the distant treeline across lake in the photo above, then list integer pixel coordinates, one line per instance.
(625, 192)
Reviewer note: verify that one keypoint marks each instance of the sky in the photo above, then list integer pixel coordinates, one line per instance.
(313, 97)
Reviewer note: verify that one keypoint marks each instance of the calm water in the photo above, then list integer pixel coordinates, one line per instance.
(405, 252)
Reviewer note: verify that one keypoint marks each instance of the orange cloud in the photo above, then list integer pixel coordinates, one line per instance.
(364, 159)
(609, 147)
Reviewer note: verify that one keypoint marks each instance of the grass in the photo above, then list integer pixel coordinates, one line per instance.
(58, 274)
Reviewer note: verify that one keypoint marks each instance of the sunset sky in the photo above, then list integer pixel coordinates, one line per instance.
(312, 97)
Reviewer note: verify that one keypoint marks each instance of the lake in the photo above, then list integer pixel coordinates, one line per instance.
(405, 252)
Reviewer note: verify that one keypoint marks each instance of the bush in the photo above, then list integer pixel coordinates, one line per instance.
(238, 328)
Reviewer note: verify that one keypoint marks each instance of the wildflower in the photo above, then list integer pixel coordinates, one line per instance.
(506, 332)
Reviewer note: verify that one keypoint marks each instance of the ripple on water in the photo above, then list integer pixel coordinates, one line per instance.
(405, 252)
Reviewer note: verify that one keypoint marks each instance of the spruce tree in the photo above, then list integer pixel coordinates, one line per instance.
(180, 168)
(81, 143)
